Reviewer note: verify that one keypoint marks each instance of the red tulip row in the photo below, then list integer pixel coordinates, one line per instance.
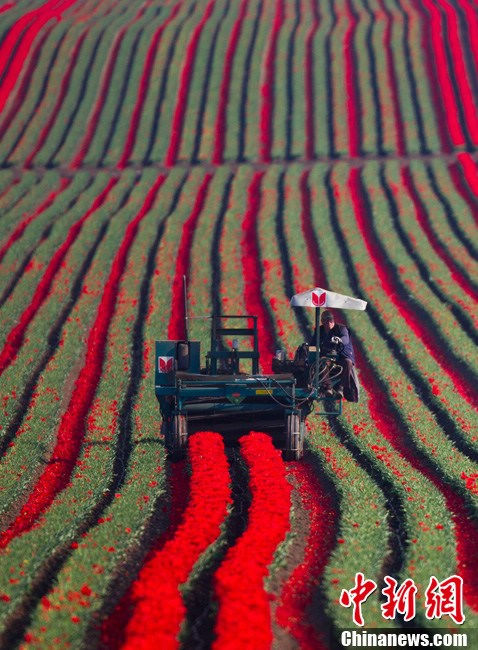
(422, 332)
(97, 109)
(20, 228)
(113, 505)
(463, 530)
(267, 86)
(69, 436)
(296, 594)
(309, 83)
(392, 81)
(176, 328)
(466, 529)
(114, 627)
(17, 98)
(252, 271)
(144, 86)
(451, 101)
(15, 337)
(435, 232)
(6, 7)
(177, 124)
(351, 22)
(220, 127)
(26, 30)
(243, 617)
(329, 449)
(157, 607)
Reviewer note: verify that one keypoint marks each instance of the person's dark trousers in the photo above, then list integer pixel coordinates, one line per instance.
(330, 375)
(347, 379)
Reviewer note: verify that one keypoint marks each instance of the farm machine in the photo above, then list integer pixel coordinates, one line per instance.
(223, 395)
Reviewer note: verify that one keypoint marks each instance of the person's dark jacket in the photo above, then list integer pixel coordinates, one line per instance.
(344, 348)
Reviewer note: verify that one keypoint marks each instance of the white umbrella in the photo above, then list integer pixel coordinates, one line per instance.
(317, 298)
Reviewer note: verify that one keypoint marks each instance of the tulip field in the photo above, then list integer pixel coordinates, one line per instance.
(260, 148)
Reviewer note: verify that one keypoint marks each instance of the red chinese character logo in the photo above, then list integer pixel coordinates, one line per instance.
(356, 596)
(401, 600)
(445, 597)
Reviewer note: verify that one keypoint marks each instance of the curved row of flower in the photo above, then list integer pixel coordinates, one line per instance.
(296, 596)
(155, 595)
(346, 36)
(339, 463)
(384, 458)
(34, 406)
(112, 509)
(69, 436)
(244, 616)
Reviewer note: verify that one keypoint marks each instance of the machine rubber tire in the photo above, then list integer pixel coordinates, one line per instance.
(177, 437)
(294, 437)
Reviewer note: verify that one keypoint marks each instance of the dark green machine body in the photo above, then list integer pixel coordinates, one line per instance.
(221, 395)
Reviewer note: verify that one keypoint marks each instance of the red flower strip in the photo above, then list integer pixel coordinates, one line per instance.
(392, 290)
(252, 272)
(462, 171)
(15, 337)
(468, 166)
(64, 87)
(70, 434)
(424, 221)
(7, 188)
(244, 619)
(472, 28)
(107, 73)
(6, 7)
(18, 232)
(308, 230)
(392, 81)
(159, 608)
(17, 31)
(176, 329)
(437, 59)
(466, 529)
(221, 120)
(298, 591)
(184, 81)
(458, 70)
(143, 88)
(430, 72)
(49, 11)
(267, 86)
(14, 105)
(309, 83)
(353, 99)
(113, 630)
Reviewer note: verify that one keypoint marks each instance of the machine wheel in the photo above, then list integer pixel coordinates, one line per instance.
(176, 434)
(294, 437)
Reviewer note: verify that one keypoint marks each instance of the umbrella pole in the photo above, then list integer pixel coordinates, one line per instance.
(317, 345)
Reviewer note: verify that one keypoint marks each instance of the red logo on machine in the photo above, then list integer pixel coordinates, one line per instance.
(318, 299)
(165, 364)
